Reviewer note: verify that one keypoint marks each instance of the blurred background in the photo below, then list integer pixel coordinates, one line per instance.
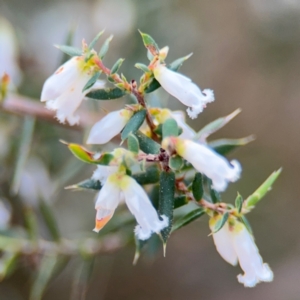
(248, 52)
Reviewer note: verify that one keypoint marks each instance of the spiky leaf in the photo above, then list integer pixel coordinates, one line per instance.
(91, 81)
(134, 123)
(147, 145)
(188, 218)
(221, 222)
(71, 51)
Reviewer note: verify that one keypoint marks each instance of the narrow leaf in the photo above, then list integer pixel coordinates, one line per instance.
(176, 64)
(245, 221)
(149, 177)
(105, 47)
(90, 157)
(133, 143)
(134, 123)
(139, 245)
(169, 128)
(253, 199)
(147, 145)
(197, 186)
(220, 223)
(187, 219)
(142, 67)
(106, 94)
(215, 126)
(8, 263)
(214, 195)
(115, 68)
(239, 203)
(95, 40)
(149, 42)
(224, 146)
(69, 50)
(68, 42)
(91, 81)
(166, 200)
(88, 184)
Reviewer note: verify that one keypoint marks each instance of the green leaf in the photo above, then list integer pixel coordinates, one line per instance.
(68, 42)
(220, 223)
(180, 201)
(175, 162)
(149, 177)
(239, 203)
(106, 94)
(197, 186)
(253, 199)
(147, 145)
(176, 64)
(134, 123)
(115, 68)
(133, 143)
(8, 263)
(139, 245)
(45, 273)
(215, 126)
(25, 137)
(105, 47)
(169, 128)
(214, 195)
(95, 40)
(31, 223)
(142, 67)
(88, 184)
(149, 42)
(69, 50)
(91, 81)
(224, 146)
(49, 219)
(166, 200)
(245, 221)
(90, 157)
(187, 219)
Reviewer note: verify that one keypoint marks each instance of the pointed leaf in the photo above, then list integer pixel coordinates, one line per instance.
(106, 94)
(166, 200)
(169, 128)
(115, 68)
(214, 195)
(239, 203)
(139, 245)
(149, 42)
(188, 218)
(91, 81)
(68, 42)
(90, 157)
(224, 146)
(197, 186)
(69, 50)
(134, 123)
(133, 143)
(147, 145)
(176, 64)
(215, 126)
(149, 177)
(105, 47)
(95, 40)
(220, 223)
(142, 67)
(245, 221)
(88, 184)
(8, 263)
(253, 199)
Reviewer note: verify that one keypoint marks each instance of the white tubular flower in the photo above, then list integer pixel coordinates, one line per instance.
(183, 89)
(109, 126)
(9, 52)
(62, 91)
(206, 161)
(119, 186)
(234, 242)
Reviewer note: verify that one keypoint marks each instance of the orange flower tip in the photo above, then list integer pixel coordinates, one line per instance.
(100, 223)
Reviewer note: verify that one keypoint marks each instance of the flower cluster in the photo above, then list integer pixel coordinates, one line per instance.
(163, 153)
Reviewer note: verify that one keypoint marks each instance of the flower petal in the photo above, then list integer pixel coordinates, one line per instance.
(109, 126)
(102, 172)
(223, 243)
(208, 162)
(141, 207)
(182, 88)
(249, 258)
